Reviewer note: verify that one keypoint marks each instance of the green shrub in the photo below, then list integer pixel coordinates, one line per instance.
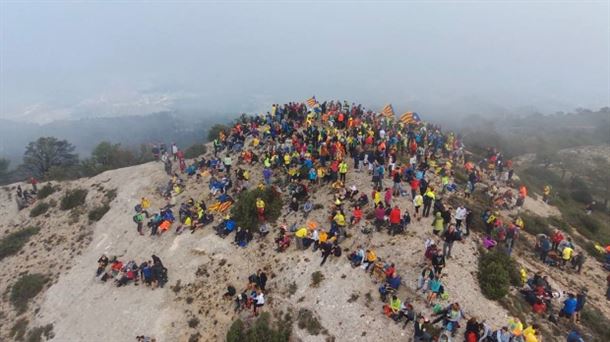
(597, 322)
(39, 209)
(195, 151)
(260, 330)
(308, 321)
(26, 288)
(497, 271)
(535, 224)
(316, 278)
(581, 196)
(236, 332)
(18, 329)
(588, 222)
(73, 198)
(244, 210)
(97, 213)
(47, 190)
(110, 195)
(36, 334)
(13, 242)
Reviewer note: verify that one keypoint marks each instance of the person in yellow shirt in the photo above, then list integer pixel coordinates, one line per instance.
(376, 197)
(342, 171)
(299, 235)
(260, 208)
(321, 174)
(515, 326)
(369, 259)
(145, 203)
(530, 333)
(339, 219)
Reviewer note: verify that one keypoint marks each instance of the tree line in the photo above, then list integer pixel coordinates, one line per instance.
(49, 158)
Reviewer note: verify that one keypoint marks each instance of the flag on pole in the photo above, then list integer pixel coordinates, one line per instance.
(388, 111)
(312, 102)
(409, 118)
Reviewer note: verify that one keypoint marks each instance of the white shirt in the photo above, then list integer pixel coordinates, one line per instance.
(260, 299)
(174, 149)
(460, 213)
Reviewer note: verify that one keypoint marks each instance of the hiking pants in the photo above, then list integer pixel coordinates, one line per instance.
(447, 246)
(427, 207)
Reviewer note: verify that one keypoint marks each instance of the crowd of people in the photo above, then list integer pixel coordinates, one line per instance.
(300, 148)
(252, 297)
(151, 272)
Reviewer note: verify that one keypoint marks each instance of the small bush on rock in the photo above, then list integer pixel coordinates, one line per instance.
(46, 191)
(244, 211)
(13, 242)
(97, 213)
(73, 198)
(261, 330)
(39, 209)
(26, 288)
(497, 271)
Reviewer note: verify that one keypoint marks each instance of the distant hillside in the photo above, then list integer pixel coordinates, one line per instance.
(85, 134)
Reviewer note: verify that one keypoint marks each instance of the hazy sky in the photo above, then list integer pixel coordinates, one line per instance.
(68, 60)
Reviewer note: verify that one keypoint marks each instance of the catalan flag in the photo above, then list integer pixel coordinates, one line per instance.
(409, 118)
(312, 102)
(388, 111)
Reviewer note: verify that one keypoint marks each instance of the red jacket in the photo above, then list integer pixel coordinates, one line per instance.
(557, 237)
(395, 216)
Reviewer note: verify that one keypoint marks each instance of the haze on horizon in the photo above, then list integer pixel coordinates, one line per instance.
(63, 60)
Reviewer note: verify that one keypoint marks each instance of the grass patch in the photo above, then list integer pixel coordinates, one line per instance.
(97, 213)
(73, 198)
(195, 151)
(47, 190)
(13, 242)
(316, 278)
(26, 288)
(110, 195)
(535, 224)
(306, 320)
(18, 329)
(593, 319)
(36, 334)
(261, 330)
(39, 209)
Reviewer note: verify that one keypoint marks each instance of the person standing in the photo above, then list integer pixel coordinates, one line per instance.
(262, 279)
(429, 197)
(259, 301)
(449, 237)
(227, 163)
(418, 201)
(175, 151)
(342, 171)
(460, 215)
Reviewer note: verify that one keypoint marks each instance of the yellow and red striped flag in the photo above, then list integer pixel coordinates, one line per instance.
(312, 102)
(388, 111)
(409, 118)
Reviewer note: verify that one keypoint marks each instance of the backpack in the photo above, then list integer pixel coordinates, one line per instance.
(337, 251)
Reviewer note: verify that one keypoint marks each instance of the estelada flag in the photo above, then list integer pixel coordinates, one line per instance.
(388, 111)
(409, 118)
(312, 102)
